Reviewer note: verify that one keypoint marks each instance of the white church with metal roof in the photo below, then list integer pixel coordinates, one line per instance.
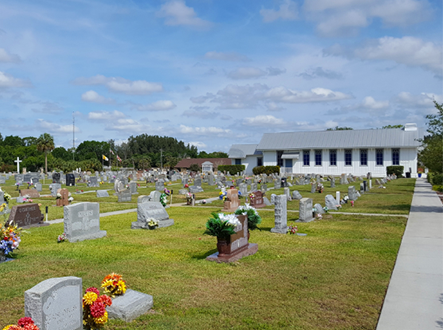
(333, 152)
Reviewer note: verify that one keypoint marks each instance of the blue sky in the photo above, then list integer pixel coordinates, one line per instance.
(215, 72)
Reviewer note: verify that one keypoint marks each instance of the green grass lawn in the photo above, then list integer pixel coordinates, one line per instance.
(333, 278)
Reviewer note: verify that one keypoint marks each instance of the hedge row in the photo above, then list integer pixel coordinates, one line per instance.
(436, 179)
(395, 169)
(266, 169)
(232, 169)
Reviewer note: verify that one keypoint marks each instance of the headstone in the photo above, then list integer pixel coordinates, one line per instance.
(102, 193)
(124, 196)
(287, 193)
(362, 188)
(133, 187)
(56, 177)
(337, 196)
(243, 188)
(330, 202)
(2, 179)
(70, 180)
(332, 182)
(155, 210)
(277, 183)
(253, 186)
(182, 191)
(266, 201)
(284, 182)
(305, 210)
(32, 193)
(352, 193)
(160, 185)
(27, 216)
(56, 304)
(296, 195)
(313, 187)
(264, 187)
(93, 182)
(118, 186)
(211, 180)
(370, 184)
(281, 216)
(231, 203)
(319, 209)
(38, 187)
(365, 185)
(82, 222)
(130, 305)
(54, 187)
(63, 200)
(257, 201)
(34, 180)
(155, 196)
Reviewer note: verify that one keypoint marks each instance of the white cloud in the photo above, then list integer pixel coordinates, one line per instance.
(7, 80)
(55, 128)
(204, 131)
(106, 115)
(126, 124)
(226, 56)
(423, 100)
(201, 99)
(121, 85)
(93, 96)
(347, 17)
(370, 103)
(285, 95)
(199, 145)
(246, 73)
(6, 57)
(319, 72)
(368, 106)
(198, 113)
(272, 106)
(286, 11)
(264, 120)
(177, 13)
(162, 105)
(275, 71)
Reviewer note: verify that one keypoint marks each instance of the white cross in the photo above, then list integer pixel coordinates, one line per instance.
(18, 161)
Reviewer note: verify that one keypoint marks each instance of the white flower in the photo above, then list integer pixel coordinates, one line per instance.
(70, 199)
(229, 218)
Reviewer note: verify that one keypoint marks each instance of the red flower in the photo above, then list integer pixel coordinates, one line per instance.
(92, 289)
(24, 321)
(107, 301)
(97, 309)
(31, 327)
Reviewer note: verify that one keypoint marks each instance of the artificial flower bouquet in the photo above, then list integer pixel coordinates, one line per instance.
(61, 238)
(25, 323)
(292, 230)
(114, 285)
(253, 218)
(7, 197)
(10, 237)
(221, 225)
(152, 223)
(222, 195)
(164, 199)
(94, 308)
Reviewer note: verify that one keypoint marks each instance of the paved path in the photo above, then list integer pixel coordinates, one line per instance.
(414, 300)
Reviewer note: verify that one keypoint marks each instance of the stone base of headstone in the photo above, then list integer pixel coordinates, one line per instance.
(249, 250)
(306, 220)
(144, 225)
(279, 230)
(130, 305)
(99, 234)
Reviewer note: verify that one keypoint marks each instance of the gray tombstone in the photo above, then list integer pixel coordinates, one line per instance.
(296, 195)
(130, 305)
(352, 193)
(362, 188)
(154, 210)
(182, 191)
(332, 182)
(305, 210)
(118, 186)
(56, 304)
(38, 186)
(281, 216)
(365, 185)
(313, 187)
(2, 179)
(243, 188)
(54, 187)
(264, 187)
(370, 184)
(93, 182)
(330, 202)
(82, 222)
(211, 180)
(253, 187)
(277, 183)
(319, 209)
(288, 194)
(266, 201)
(155, 196)
(124, 196)
(160, 185)
(102, 193)
(133, 187)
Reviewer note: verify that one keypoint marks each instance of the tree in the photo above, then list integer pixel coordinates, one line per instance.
(431, 155)
(62, 153)
(393, 126)
(336, 128)
(45, 143)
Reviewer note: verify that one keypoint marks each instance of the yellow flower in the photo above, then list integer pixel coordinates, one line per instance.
(122, 287)
(7, 327)
(89, 298)
(101, 320)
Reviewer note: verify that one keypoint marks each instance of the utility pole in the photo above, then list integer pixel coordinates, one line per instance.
(161, 159)
(73, 135)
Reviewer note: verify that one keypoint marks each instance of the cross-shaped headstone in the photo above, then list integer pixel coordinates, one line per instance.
(18, 161)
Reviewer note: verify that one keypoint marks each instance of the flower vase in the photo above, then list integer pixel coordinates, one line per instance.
(223, 246)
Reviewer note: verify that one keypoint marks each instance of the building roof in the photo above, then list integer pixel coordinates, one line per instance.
(243, 150)
(368, 138)
(186, 163)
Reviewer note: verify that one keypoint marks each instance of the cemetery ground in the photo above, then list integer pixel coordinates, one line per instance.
(335, 277)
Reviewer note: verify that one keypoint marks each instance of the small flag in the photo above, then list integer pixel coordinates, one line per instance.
(105, 158)
(119, 159)
(112, 152)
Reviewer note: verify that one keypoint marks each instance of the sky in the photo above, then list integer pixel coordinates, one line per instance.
(214, 73)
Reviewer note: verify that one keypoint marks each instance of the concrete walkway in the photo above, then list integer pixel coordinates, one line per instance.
(414, 299)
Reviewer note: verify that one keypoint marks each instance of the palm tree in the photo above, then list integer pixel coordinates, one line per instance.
(45, 143)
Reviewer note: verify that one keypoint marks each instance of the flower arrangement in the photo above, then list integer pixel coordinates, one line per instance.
(27, 200)
(221, 225)
(292, 230)
(222, 195)
(114, 285)
(2, 207)
(166, 191)
(152, 223)
(164, 199)
(58, 196)
(253, 218)
(25, 323)
(10, 237)
(94, 308)
(7, 197)
(251, 196)
(326, 209)
(101, 182)
(61, 238)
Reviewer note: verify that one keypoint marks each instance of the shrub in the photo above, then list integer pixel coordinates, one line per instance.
(395, 169)
(232, 169)
(266, 169)
(194, 168)
(436, 179)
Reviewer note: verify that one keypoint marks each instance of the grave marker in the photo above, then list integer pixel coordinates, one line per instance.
(82, 222)
(148, 210)
(124, 196)
(281, 216)
(305, 210)
(27, 216)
